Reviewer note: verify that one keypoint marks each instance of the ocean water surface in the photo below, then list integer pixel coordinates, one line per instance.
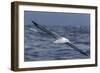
(39, 46)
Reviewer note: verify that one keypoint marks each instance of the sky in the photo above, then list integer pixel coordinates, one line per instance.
(56, 18)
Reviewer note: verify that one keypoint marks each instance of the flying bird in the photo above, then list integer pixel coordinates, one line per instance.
(59, 39)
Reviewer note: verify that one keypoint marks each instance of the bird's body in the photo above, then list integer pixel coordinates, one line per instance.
(59, 39)
(62, 40)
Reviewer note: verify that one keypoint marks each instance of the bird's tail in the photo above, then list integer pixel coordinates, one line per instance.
(77, 49)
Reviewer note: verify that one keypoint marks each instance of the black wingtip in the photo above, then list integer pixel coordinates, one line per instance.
(73, 46)
(85, 54)
(34, 23)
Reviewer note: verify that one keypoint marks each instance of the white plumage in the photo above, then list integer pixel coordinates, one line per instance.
(62, 40)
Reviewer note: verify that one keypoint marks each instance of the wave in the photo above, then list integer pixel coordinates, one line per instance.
(39, 46)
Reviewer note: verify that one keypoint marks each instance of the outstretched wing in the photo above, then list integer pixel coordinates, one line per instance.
(53, 34)
(75, 48)
(43, 28)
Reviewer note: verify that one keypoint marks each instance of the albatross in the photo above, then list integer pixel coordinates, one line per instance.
(59, 39)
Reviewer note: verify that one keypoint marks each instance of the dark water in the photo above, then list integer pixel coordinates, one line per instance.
(39, 46)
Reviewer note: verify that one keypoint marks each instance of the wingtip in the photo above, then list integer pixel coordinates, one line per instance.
(85, 54)
(34, 23)
(73, 46)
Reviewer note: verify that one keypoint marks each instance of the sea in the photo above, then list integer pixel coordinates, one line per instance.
(40, 46)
